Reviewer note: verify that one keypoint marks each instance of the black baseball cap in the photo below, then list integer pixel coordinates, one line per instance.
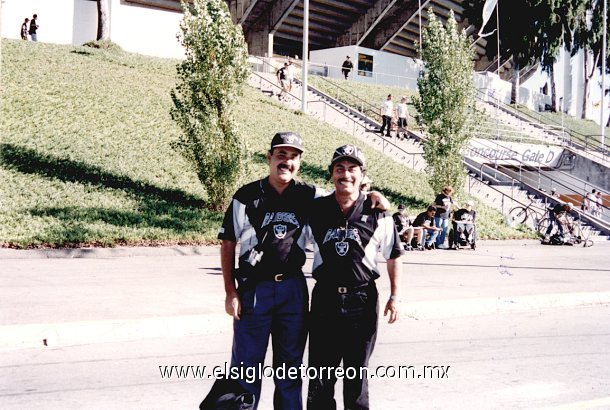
(401, 207)
(350, 152)
(287, 139)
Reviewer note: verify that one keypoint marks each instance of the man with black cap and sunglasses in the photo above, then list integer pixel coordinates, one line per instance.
(267, 218)
(347, 235)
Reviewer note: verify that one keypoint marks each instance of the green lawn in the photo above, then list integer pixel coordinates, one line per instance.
(85, 155)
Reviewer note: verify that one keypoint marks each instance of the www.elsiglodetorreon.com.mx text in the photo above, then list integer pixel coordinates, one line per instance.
(251, 373)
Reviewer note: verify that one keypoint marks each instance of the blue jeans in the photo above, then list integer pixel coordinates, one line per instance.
(441, 222)
(553, 222)
(278, 309)
(429, 237)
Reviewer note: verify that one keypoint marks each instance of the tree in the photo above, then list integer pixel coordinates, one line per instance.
(103, 20)
(210, 79)
(588, 34)
(517, 33)
(554, 26)
(446, 100)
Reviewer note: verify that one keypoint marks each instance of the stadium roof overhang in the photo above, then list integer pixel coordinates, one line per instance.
(388, 25)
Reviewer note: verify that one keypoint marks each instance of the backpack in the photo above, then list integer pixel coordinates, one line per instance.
(556, 239)
(227, 394)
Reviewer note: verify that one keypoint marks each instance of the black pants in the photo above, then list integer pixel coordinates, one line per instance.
(342, 327)
(387, 121)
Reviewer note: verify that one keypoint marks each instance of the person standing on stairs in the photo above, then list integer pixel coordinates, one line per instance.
(387, 113)
(403, 113)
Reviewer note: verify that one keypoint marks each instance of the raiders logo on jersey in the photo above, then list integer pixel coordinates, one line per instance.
(279, 231)
(342, 248)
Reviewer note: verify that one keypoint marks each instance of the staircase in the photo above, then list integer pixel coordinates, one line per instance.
(509, 124)
(409, 151)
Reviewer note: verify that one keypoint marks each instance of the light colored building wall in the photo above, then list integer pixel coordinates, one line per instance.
(135, 28)
(389, 69)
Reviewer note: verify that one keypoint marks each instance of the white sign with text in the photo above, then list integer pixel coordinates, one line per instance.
(485, 151)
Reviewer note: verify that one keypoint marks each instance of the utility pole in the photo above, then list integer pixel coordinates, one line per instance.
(602, 122)
(305, 55)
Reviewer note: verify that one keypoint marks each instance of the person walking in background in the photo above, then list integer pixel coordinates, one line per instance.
(443, 203)
(34, 28)
(403, 113)
(347, 236)
(24, 29)
(282, 78)
(347, 67)
(387, 113)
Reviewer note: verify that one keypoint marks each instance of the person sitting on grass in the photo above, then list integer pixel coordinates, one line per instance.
(425, 220)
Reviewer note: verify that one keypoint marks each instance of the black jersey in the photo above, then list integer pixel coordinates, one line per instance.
(464, 215)
(401, 221)
(259, 215)
(423, 220)
(345, 247)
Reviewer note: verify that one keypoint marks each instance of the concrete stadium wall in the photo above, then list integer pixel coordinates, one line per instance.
(592, 172)
(389, 69)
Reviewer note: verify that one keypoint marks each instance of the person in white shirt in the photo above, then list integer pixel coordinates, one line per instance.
(403, 113)
(290, 75)
(387, 113)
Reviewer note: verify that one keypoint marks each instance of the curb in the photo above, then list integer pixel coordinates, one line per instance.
(135, 251)
(118, 252)
(55, 335)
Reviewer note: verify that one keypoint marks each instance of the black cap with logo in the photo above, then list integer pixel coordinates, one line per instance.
(287, 139)
(349, 152)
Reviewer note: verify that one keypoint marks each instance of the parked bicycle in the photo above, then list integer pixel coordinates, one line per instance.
(521, 214)
(574, 233)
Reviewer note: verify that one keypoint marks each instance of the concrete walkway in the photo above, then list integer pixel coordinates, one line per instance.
(83, 296)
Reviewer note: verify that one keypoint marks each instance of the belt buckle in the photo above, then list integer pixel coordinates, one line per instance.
(279, 277)
(342, 290)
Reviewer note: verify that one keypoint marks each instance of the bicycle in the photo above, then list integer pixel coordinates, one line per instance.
(574, 232)
(520, 214)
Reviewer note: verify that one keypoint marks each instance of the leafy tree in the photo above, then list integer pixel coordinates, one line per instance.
(588, 33)
(211, 78)
(517, 33)
(446, 100)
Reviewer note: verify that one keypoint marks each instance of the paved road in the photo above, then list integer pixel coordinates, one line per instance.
(109, 318)
(546, 358)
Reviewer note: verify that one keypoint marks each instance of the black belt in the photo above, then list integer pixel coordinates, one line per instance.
(342, 290)
(280, 277)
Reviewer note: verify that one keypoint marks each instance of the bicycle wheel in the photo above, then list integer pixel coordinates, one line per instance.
(518, 215)
(543, 225)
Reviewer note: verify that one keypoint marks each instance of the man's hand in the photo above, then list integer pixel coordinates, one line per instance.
(392, 308)
(233, 305)
(379, 201)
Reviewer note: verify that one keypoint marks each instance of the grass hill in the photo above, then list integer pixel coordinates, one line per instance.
(86, 157)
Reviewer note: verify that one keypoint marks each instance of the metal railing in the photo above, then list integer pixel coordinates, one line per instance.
(386, 145)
